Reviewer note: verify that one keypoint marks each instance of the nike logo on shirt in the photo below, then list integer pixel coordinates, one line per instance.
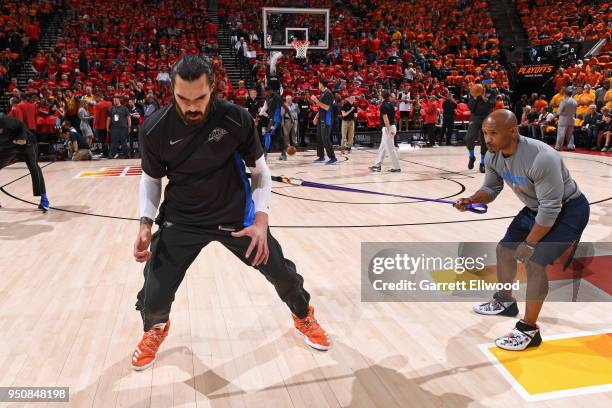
(173, 142)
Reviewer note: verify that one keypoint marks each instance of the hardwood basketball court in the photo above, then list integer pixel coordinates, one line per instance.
(69, 286)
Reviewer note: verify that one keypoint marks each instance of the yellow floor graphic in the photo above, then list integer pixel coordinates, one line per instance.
(563, 365)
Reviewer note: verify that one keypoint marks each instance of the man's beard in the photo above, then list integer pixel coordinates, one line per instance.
(191, 117)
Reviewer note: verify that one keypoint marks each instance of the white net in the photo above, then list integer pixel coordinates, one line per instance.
(301, 48)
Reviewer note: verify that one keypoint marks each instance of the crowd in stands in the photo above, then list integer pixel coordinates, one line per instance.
(549, 21)
(424, 54)
(120, 50)
(588, 83)
(20, 30)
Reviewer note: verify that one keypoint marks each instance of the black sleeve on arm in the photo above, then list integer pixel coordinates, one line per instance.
(327, 98)
(250, 149)
(15, 128)
(150, 152)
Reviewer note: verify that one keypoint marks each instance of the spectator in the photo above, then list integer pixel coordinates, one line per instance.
(289, 113)
(545, 120)
(556, 100)
(85, 122)
(304, 118)
(76, 144)
(118, 124)
(584, 100)
(540, 103)
(600, 93)
(590, 127)
(605, 132)
(163, 78)
(150, 106)
(519, 107)
(565, 126)
(241, 54)
(532, 123)
(241, 94)
(72, 108)
(430, 118)
(348, 123)
(99, 122)
(15, 110)
(28, 109)
(448, 117)
(136, 113)
(405, 108)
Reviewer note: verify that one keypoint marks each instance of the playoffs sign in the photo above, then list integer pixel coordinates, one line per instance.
(540, 71)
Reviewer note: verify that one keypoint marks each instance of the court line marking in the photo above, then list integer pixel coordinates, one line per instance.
(553, 394)
(282, 226)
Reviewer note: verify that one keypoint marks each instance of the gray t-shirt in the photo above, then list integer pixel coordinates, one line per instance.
(537, 175)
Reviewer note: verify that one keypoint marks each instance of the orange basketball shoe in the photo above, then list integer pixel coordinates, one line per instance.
(312, 332)
(146, 352)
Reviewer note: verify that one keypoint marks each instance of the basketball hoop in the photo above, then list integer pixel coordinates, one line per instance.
(301, 48)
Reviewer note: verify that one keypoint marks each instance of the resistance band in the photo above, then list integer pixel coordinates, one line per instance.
(475, 207)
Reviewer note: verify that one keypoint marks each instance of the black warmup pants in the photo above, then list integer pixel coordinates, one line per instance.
(29, 154)
(323, 141)
(303, 127)
(474, 134)
(175, 247)
(448, 127)
(430, 129)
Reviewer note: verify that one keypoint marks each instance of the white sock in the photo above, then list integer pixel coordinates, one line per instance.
(159, 326)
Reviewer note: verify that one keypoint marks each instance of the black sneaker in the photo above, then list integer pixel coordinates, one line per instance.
(520, 338)
(471, 163)
(374, 168)
(497, 306)
(395, 170)
(482, 168)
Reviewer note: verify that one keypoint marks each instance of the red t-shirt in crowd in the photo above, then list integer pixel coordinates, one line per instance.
(100, 114)
(28, 110)
(430, 110)
(16, 113)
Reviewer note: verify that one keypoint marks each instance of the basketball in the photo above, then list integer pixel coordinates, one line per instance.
(477, 90)
(291, 150)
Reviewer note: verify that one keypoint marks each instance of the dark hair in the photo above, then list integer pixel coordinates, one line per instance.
(191, 68)
(323, 82)
(386, 94)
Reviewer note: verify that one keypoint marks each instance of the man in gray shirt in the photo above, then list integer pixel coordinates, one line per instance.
(555, 214)
(565, 126)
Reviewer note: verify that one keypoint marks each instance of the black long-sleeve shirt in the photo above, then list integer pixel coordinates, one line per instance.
(480, 108)
(11, 129)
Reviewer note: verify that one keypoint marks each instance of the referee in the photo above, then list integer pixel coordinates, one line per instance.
(201, 144)
(555, 214)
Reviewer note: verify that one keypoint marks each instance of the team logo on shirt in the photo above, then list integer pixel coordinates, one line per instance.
(217, 134)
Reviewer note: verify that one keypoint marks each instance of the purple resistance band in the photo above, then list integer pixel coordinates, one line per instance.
(475, 208)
